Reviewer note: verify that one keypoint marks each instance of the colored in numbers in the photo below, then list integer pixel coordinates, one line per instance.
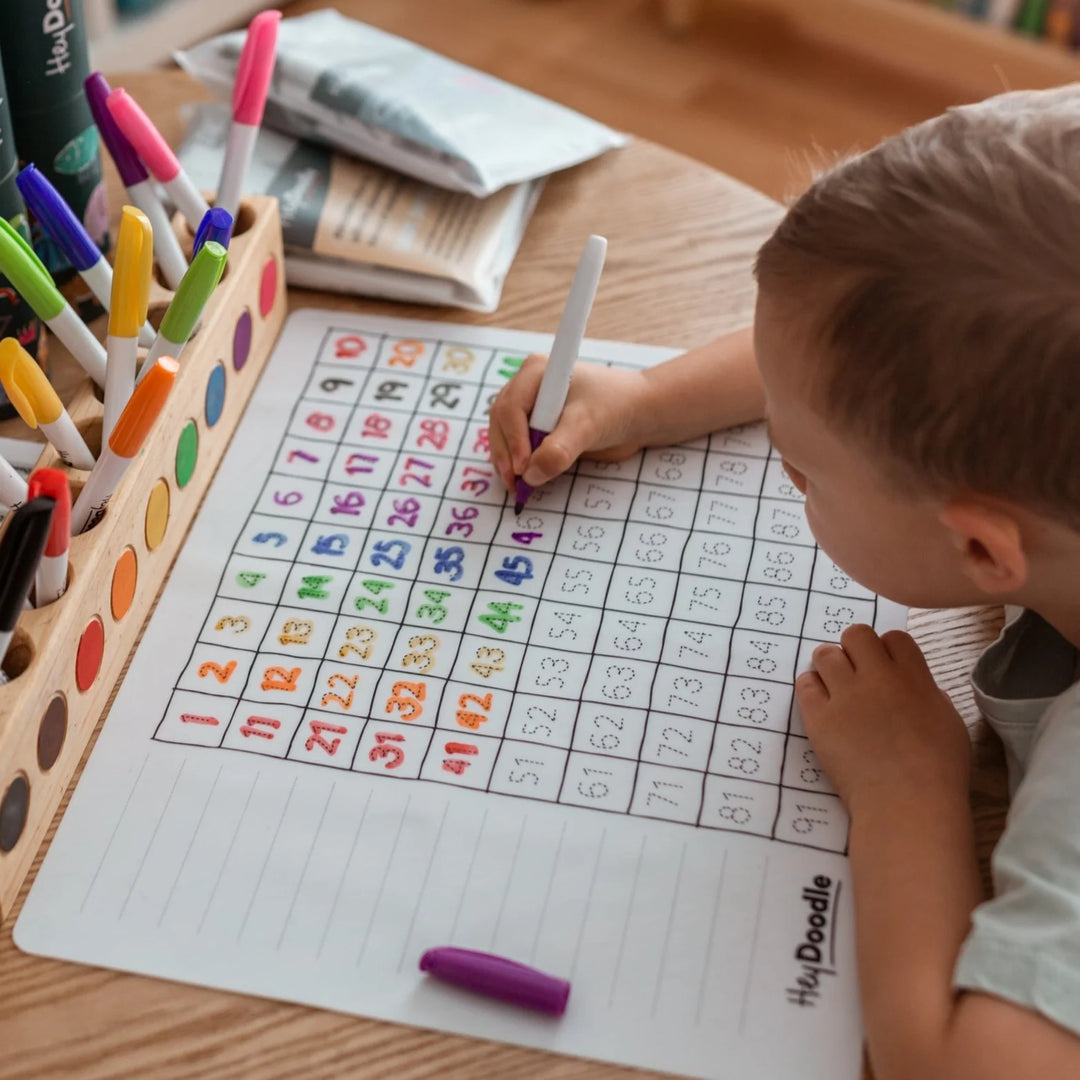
(406, 353)
(406, 698)
(499, 616)
(443, 394)
(479, 485)
(433, 433)
(303, 455)
(296, 632)
(266, 538)
(194, 718)
(376, 426)
(350, 503)
(331, 386)
(279, 678)
(255, 723)
(313, 587)
(526, 538)
(488, 661)
(316, 736)
(390, 390)
(460, 748)
(353, 463)
(515, 570)
(384, 748)
(334, 544)
(448, 561)
(433, 609)
(249, 578)
(349, 347)
(470, 718)
(341, 702)
(287, 498)
(358, 633)
(374, 586)
(482, 442)
(462, 515)
(458, 360)
(511, 365)
(320, 421)
(416, 477)
(406, 511)
(423, 655)
(227, 622)
(381, 553)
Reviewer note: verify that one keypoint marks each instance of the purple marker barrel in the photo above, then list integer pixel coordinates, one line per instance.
(497, 977)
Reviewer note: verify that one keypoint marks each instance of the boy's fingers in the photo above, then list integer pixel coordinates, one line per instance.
(831, 662)
(510, 411)
(500, 457)
(902, 648)
(561, 448)
(862, 644)
(810, 691)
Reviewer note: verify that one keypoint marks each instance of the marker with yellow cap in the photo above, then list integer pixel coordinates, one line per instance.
(132, 267)
(123, 445)
(33, 283)
(30, 391)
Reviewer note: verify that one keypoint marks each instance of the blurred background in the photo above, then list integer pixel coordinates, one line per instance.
(761, 89)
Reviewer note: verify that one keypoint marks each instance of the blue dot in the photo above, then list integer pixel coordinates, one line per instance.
(215, 394)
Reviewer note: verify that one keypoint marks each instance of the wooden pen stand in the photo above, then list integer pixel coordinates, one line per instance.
(66, 658)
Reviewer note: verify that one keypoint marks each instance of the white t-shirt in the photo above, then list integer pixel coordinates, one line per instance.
(1024, 945)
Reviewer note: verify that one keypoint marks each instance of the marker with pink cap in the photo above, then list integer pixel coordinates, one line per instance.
(158, 155)
(248, 101)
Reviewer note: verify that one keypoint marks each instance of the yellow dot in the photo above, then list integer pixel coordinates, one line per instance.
(157, 514)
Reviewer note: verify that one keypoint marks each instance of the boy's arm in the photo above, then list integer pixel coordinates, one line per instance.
(898, 754)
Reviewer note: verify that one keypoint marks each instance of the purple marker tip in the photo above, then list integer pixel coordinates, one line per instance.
(498, 978)
(128, 163)
(522, 491)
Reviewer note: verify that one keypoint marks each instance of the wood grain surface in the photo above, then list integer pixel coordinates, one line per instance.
(682, 239)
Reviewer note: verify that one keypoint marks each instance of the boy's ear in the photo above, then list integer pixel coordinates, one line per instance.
(990, 543)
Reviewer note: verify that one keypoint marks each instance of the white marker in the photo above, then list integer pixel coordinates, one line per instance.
(51, 580)
(12, 486)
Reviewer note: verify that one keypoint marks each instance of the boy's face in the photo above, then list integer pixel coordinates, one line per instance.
(890, 542)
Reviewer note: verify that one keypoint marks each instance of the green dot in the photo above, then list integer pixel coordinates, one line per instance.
(187, 450)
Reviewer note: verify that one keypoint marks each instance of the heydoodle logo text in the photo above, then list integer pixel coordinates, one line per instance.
(815, 953)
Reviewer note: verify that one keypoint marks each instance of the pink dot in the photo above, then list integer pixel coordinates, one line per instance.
(268, 286)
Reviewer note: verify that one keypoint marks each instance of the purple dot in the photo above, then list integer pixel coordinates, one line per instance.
(241, 342)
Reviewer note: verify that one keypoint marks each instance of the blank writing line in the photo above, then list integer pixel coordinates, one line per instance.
(509, 881)
(588, 902)
(753, 947)
(626, 922)
(112, 835)
(667, 932)
(468, 878)
(423, 887)
(153, 837)
(547, 894)
(712, 935)
(269, 852)
(344, 875)
(307, 863)
(228, 854)
(383, 880)
(191, 844)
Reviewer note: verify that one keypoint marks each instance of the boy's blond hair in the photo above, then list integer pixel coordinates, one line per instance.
(940, 278)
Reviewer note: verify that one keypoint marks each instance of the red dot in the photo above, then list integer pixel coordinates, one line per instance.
(88, 656)
(268, 286)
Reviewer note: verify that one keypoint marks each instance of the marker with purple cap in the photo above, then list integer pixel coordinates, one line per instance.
(497, 977)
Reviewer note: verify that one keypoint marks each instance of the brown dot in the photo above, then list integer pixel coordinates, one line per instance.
(13, 808)
(51, 732)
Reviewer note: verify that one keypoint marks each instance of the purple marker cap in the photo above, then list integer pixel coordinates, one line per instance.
(57, 218)
(499, 978)
(522, 491)
(128, 163)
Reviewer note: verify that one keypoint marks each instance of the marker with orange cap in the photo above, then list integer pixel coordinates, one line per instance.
(134, 264)
(123, 445)
(158, 155)
(29, 390)
(51, 580)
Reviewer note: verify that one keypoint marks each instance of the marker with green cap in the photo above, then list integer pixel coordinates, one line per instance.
(187, 304)
(32, 282)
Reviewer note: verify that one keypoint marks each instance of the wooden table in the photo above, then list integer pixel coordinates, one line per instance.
(682, 240)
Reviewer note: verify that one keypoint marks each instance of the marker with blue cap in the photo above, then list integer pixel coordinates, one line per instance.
(216, 225)
(34, 284)
(66, 231)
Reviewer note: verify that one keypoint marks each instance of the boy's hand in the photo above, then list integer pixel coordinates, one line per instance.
(882, 728)
(601, 418)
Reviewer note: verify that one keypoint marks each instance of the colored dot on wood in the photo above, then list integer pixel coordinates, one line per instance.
(13, 808)
(125, 576)
(241, 342)
(89, 654)
(215, 395)
(51, 732)
(157, 514)
(187, 453)
(268, 286)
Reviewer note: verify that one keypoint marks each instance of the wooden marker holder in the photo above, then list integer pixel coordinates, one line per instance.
(46, 718)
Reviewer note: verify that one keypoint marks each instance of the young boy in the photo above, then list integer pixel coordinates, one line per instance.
(916, 350)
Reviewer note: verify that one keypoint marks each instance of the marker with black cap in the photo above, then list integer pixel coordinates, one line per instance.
(20, 552)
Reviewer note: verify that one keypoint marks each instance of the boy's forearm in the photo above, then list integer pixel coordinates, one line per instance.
(916, 885)
(712, 387)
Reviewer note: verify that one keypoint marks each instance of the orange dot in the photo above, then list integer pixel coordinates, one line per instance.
(89, 654)
(157, 514)
(125, 576)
